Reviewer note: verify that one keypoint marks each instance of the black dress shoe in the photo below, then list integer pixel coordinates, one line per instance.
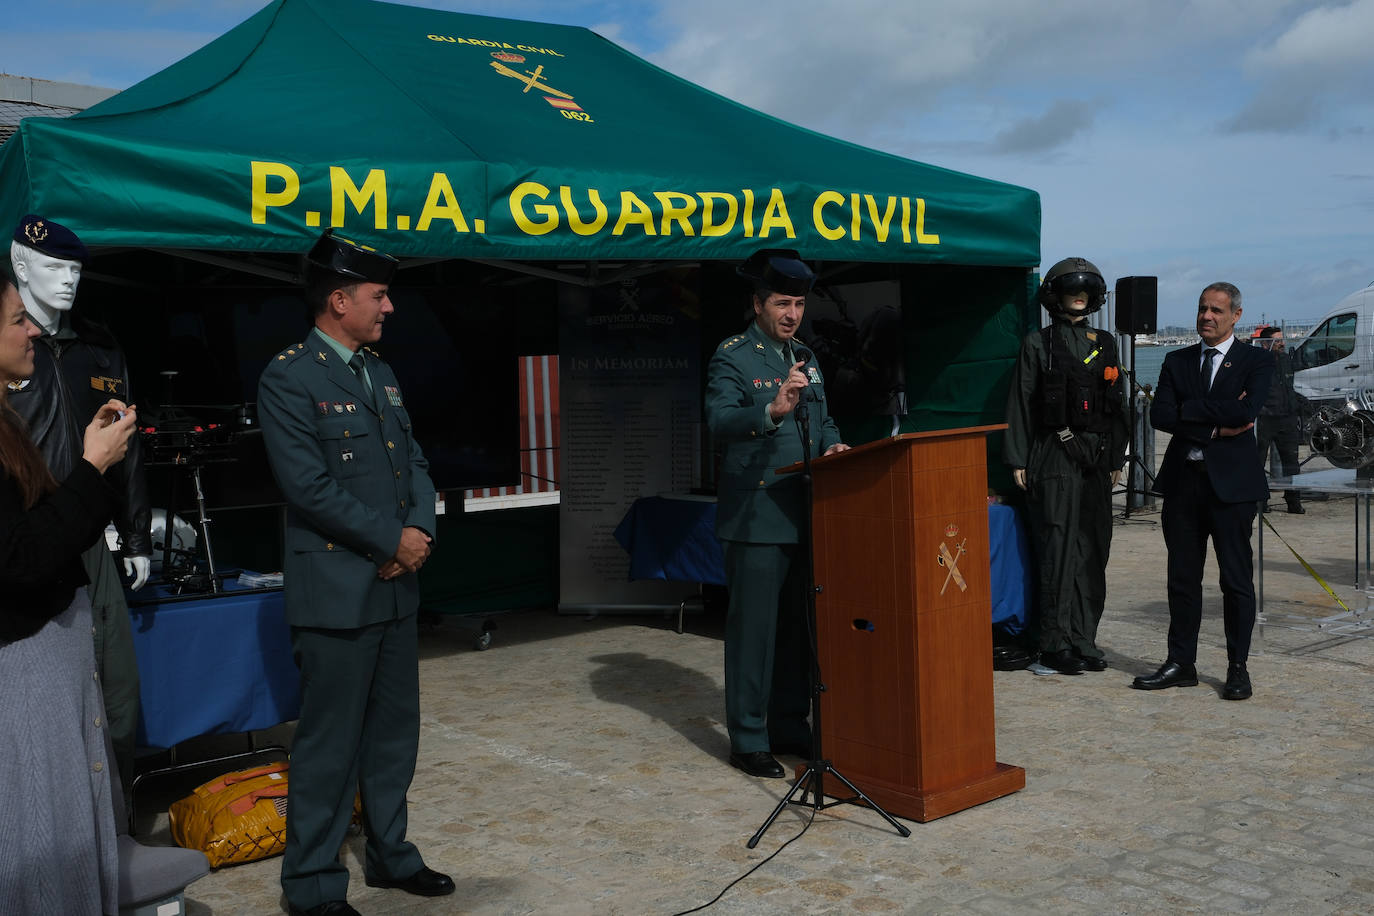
(424, 883)
(328, 908)
(1296, 509)
(1170, 674)
(757, 763)
(1065, 661)
(1093, 663)
(1237, 683)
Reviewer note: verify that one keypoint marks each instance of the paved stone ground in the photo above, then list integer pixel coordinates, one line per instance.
(578, 767)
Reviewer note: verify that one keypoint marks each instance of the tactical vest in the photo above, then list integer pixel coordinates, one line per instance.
(1076, 394)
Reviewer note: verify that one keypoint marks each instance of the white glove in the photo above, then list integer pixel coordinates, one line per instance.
(138, 568)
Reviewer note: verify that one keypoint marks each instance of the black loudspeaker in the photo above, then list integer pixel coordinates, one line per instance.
(1137, 304)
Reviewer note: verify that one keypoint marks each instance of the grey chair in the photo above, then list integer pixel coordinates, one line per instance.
(152, 879)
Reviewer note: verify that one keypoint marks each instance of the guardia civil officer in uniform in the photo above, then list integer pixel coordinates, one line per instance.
(360, 516)
(1066, 443)
(755, 381)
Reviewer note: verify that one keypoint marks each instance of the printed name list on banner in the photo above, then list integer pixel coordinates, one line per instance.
(631, 410)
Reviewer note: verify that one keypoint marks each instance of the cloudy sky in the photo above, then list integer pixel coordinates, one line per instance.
(1194, 140)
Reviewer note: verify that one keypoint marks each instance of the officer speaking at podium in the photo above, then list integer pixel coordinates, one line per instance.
(754, 384)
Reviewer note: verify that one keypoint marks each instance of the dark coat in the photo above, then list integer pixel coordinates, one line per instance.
(1240, 386)
(74, 374)
(40, 549)
(352, 476)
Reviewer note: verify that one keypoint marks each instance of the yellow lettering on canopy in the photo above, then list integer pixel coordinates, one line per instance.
(708, 199)
(681, 213)
(775, 216)
(547, 211)
(575, 218)
(880, 223)
(854, 216)
(906, 220)
(263, 198)
(373, 189)
(828, 232)
(749, 213)
(921, 237)
(634, 212)
(440, 203)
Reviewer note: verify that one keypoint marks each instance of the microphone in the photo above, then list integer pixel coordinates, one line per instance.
(802, 354)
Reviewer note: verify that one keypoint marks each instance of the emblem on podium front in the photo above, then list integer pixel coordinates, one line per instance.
(949, 559)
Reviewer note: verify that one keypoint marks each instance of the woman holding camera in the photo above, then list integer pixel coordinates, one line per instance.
(56, 814)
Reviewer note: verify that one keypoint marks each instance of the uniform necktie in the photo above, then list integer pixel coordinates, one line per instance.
(1206, 376)
(356, 364)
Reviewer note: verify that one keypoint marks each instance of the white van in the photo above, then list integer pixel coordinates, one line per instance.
(1337, 358)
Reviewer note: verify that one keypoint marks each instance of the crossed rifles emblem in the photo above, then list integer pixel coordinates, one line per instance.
(951, 563)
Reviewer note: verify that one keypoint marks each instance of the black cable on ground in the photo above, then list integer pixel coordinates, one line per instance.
(807, 826)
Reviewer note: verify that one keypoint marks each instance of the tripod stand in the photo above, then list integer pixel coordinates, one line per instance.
(812, 779)
(1133, 456)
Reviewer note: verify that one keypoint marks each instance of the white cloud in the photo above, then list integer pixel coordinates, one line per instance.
(1331, 37)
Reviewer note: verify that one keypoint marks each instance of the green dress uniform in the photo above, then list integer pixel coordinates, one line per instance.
(1068, 485)
(759, 518)
(352, 476)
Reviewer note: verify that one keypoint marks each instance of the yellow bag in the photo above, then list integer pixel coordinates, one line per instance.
(237, 817)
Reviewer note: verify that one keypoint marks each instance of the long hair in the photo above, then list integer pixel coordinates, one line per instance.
(20, 459)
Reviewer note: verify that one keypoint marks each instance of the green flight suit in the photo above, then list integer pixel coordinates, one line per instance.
(353, 477)
(759, 517)
(1069, 501)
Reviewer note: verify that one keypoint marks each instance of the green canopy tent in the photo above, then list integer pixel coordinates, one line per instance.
(439, 135)
(443, 137)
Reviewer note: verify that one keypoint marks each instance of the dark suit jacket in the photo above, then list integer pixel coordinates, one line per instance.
(755, 504)
(352, 476)
(1181, 408)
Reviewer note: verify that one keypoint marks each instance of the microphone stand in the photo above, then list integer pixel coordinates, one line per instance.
(812, 779)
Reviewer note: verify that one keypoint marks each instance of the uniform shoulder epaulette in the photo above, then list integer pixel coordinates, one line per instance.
(291, 352)
(733, 341)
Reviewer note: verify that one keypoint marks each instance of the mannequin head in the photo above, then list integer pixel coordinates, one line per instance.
(47, 259)
(1074, 306)
(1069, 282)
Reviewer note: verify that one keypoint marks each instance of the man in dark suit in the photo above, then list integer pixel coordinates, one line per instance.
(1208, 397)
(360, 513)
(754, 383)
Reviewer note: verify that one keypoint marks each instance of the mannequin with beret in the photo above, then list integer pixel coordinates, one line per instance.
(78, 366)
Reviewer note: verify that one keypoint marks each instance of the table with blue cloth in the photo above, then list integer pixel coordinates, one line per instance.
(674, 538)
(212, 665)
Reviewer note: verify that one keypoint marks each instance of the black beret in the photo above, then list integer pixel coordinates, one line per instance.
(52, 239)
(779, 269)
(337, 255)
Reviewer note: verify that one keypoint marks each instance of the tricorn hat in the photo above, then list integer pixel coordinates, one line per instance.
(52, 239)
(778, 269)
(345, 257)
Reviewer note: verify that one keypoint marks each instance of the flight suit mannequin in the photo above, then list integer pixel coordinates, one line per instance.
(78, 366)
(1069, 464)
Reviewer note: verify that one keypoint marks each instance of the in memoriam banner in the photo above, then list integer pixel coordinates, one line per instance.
(630, 384)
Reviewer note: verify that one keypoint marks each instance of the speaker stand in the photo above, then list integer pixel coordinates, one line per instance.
(1133, 456)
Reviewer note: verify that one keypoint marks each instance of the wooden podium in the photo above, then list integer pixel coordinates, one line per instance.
(904, 622)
